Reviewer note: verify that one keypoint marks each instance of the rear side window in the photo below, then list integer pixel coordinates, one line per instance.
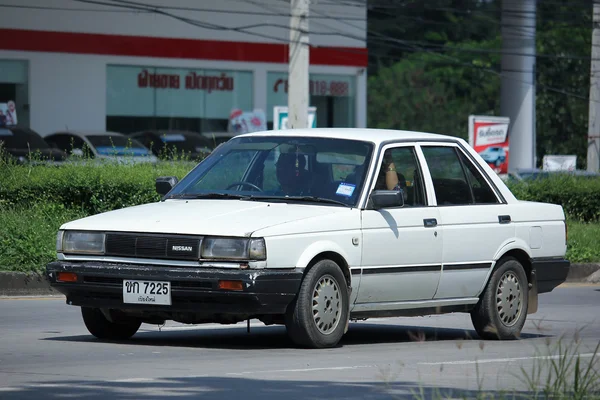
(482, 192)
(455, 179)
(449, 179)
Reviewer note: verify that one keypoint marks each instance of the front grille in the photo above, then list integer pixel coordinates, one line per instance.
(174, 247)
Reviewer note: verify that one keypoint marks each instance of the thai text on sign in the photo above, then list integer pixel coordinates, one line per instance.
(192, 81)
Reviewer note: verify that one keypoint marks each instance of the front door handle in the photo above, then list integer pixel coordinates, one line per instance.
(430, 222)
(504, 219)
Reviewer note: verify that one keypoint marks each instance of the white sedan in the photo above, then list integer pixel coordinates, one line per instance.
(313, 228)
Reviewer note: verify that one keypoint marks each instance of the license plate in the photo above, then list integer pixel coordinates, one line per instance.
(146, 292)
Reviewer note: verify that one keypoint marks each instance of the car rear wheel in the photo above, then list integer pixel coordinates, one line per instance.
(317, 317)
(99, 326)
(502, 308)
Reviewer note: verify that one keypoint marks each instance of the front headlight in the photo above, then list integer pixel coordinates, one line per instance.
(234, 249)
(72, 242)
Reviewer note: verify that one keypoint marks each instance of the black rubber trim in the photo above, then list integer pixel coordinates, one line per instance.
(550, 272)
(396, 270)
(355, 271)
(460, 267)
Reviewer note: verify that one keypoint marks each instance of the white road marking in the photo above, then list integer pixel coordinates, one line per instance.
(135, 380)
(301, 370)
(504, 360)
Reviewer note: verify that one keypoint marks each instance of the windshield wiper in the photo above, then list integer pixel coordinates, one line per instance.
(314, 199)
(209, 196)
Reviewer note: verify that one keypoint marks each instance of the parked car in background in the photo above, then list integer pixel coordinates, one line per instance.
(311, 228)
(26, 145)
(171, 143)
(494, 155)
(106, 146)
(217, 138)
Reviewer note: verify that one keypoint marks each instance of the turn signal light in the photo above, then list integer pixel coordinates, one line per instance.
(231, 285)
(66, 277)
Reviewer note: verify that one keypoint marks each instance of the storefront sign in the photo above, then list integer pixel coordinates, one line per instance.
(8, 113)
(144, 92)
(249, 121)
(280, 117)
(489, 136)
(192, 81)
(318, 87)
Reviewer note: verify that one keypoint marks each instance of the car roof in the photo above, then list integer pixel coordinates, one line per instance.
(373, 135)
(87, 133)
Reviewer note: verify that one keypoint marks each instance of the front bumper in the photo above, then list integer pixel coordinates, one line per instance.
(196, 290)
(550, 273)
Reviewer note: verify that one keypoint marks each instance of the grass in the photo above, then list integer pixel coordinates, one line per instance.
(28, 235)
(583, 242)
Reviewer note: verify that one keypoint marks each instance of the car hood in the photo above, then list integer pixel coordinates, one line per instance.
(201, 217)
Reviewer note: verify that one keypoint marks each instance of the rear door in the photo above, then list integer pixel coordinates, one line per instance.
(475, 219)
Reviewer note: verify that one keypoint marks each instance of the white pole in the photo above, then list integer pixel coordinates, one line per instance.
(298, 91)
(517, 94)
(593, 150)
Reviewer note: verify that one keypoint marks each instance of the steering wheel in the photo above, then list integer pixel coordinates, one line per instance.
(244, 184)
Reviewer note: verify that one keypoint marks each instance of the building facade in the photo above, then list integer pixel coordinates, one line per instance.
(183, 64)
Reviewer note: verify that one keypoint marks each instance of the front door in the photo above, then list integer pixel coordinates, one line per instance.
(402, 247)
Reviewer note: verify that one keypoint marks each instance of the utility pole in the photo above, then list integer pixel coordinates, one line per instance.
(593, 150)
(298, 91)
(517, 93)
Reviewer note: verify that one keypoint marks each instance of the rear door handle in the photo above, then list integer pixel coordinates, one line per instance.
(430, 222)
(504, 219)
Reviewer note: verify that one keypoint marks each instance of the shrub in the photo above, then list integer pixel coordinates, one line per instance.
(90, 187)
(579, 196)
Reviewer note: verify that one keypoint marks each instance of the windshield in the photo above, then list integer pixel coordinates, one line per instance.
(108, 145)
(19, 138)
(283, 168)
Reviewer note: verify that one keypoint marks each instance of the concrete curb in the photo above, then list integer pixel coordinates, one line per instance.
(35, 284)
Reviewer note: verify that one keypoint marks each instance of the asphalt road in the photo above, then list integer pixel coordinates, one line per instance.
(46, 352)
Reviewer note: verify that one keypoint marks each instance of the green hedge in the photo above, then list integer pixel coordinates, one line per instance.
(98, 188)
(91, 188)
(579, 196)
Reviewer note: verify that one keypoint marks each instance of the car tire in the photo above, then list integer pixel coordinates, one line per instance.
(502, 309)
(99, 326)
(318, 315)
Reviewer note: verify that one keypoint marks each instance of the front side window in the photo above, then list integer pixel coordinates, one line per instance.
(400, 171)
(281, 168)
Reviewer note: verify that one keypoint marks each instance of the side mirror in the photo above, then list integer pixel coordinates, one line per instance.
(387, 199)
(164, 184)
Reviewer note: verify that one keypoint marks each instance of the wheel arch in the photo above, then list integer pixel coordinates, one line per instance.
(325, 250)
(519, 250)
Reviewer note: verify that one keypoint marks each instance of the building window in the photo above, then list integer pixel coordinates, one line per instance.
(14, 92)
(200, 100)
(334, 96)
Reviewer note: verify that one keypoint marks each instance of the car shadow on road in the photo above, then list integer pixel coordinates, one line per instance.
(198, 387)
(275, 337)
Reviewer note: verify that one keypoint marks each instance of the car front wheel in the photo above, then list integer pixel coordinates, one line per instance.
(502, 309)
(99, 326)
(317, 317)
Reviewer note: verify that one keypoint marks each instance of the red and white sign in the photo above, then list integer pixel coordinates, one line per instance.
(489, 136)
(248, 121)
